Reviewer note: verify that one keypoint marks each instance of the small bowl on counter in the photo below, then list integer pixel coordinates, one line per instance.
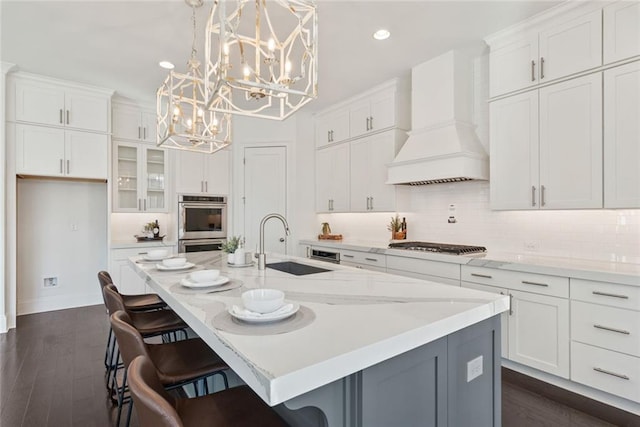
(157, 254)
(204, 275)
(263, 300)
(174, 262)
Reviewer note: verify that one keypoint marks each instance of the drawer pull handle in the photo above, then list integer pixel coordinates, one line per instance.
(606, 328)
(526, 282)
(142, 253)
(485, 276)
(371, 259)
(347, 256)
(604, 294)
(604, 371)
(510, 304)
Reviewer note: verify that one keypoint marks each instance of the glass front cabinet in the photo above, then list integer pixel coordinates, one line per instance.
(140, 178)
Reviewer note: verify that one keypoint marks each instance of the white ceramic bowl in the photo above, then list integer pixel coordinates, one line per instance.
(157, 253)
(204, 275)
(174, 262)
(263, 300)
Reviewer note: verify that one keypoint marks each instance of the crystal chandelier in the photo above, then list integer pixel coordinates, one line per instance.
(261, 57)
(184, 122)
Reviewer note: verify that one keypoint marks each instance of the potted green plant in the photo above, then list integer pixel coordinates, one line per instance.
(230, 246)
(395, 227)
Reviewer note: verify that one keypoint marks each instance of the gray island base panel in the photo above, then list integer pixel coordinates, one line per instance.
(375, 350)
(423, 387)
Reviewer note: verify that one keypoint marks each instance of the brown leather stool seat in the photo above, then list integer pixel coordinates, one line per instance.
(177, 363)
(238, 406)
(143, 302)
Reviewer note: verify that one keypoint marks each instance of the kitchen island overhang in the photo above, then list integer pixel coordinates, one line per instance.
(362, 319)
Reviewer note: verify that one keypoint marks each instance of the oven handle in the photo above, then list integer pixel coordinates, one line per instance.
(205, 205)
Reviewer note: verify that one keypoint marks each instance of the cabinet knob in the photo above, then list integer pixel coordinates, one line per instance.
(281, 240)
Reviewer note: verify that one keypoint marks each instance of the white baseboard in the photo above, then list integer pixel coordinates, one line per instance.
(3, 324)
(57, 303)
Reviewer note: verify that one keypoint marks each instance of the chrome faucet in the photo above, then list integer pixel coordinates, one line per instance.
(262, 257)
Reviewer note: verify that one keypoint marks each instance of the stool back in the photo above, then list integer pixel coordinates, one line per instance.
(112, 299)
(154, 405)
(130, 342)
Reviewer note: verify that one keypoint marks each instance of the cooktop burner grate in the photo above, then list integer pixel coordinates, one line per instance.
(446, 248)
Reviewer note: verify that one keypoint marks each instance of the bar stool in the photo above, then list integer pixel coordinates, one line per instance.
(238, 406)
(176, 363)
(144, 302)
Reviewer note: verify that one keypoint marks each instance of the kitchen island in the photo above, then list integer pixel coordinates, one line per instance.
(365, 348)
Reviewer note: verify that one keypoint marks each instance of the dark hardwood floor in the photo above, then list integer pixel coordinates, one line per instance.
(52, 374)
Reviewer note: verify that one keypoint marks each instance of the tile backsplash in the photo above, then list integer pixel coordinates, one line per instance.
(598, 234)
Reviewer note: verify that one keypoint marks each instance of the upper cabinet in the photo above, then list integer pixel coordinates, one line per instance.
(41, 101)
(622, 136)
(198, 173)
(133, 123)
(332, 179)
(384, 107)
(621, 37)
(538, 56)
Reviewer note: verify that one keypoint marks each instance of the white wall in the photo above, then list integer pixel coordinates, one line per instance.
(124, 226)
(47, 246)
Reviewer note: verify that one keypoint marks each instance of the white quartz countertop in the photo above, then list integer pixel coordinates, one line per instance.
(132, 243)
(618, 272)
(360, 318)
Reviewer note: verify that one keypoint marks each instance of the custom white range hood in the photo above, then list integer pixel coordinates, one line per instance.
(442, 145)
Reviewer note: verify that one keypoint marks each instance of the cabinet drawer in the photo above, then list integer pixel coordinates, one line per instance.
(527, 282)
(612, 294)
(607, 327)
(125, 254)
(366, 258)
(606, 370)
(424, 266)
(437, 279)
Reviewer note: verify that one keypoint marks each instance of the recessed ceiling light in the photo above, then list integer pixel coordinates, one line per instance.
(166, 64)
(381, 34)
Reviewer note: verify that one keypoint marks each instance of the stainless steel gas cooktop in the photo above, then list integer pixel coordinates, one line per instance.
(445, 248)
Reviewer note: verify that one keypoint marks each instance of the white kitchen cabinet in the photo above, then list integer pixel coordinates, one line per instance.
(547, 53)
(332, 179)
(198, 173)
(538, 321)
(46, 151)
(374, 113)
(123, 274)
(133, 123)
(504, 317)
(332, 126)
(140, 178)
(621, 31)
(365, 260)
(43, 101)
(547, 153)
(622, 135)
(369, 157)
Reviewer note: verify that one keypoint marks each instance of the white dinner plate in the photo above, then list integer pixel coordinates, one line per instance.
(163, 267)
(188, 283)
(241, 265)
(263, 318)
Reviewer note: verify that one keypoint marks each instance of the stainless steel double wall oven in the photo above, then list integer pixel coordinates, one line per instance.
(202, 222)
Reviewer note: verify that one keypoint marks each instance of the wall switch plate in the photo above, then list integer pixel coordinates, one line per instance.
(474, 368)
(50, 282)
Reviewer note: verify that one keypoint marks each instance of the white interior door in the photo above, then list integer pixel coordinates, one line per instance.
(265, 192)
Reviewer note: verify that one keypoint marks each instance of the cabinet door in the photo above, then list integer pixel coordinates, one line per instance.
(126, 279)
(86, 111)
(217, 167)
(381, 152)
(514, 152)
(622, 136)
(323, 179)
(155, 182)
(339, 193)
(339, 125)
(39, 150)
(514, 66)
(126, 122)
(149, 126)
(621, 32)
(86, 155)
(323, 132)
(539, 332)
(571, 144)
(39, 103)
(383, 110)
(359, 175)
(571, 47)
(190, 172)
(504, 317)
(359, 115)
(126, 165)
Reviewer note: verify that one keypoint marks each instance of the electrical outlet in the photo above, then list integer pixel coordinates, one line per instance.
(74, 227)
(531, 246)
(474, 368)
(50, 282)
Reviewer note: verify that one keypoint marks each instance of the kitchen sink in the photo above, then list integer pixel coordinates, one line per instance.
(296, 268)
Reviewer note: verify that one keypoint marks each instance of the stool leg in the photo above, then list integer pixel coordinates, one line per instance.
(121, 397)
(107, 353)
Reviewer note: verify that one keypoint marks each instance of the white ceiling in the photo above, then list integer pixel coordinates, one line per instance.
(117, 44)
